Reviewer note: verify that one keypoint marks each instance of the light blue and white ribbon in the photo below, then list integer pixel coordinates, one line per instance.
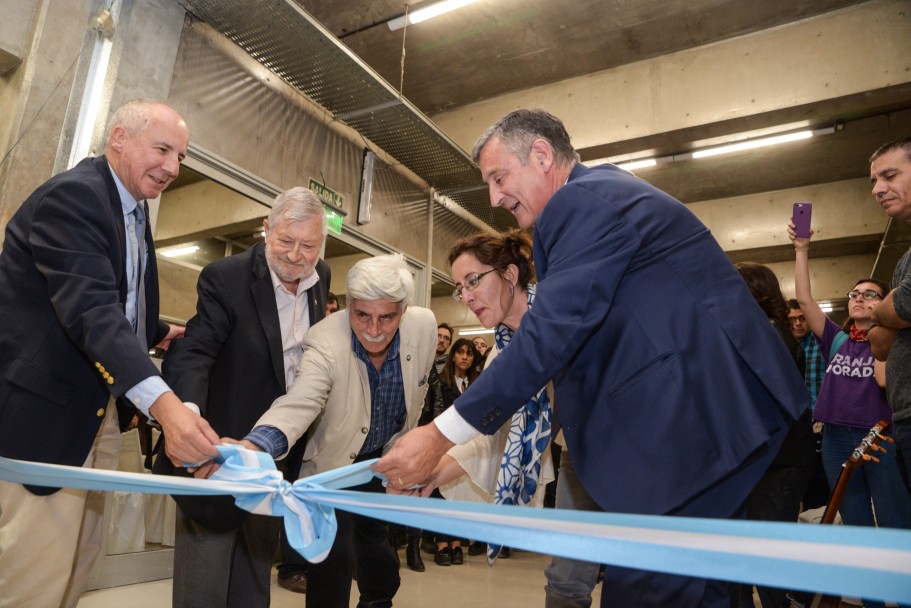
(873, 563)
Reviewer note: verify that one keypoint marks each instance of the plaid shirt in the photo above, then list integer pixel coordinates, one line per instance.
(387, 399)
(387, 395)
(816, 366)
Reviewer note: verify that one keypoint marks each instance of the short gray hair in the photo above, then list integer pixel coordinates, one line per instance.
(298, 205)
(384, 277)
(902, 143)
(519, 129)
(133, 116)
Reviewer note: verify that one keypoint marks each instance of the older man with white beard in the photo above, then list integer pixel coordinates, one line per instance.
(239, 354)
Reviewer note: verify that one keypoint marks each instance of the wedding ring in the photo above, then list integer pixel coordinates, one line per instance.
(401, 483)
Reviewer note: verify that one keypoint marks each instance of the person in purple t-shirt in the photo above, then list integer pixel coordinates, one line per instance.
(852, 399)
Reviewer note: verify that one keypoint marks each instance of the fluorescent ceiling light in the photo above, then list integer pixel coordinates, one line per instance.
(474, 332)
(638, 164)
(177, 252)
(429, 12)
(753, 143)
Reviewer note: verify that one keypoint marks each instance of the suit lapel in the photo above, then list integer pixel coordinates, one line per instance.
(101, 165)
(264, 299)
(407, 356)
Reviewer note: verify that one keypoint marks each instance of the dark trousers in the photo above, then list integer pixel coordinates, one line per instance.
(224, 569)
(776, 498)
(901, 432)
(360, 545)
(725, 500)
(292, 562)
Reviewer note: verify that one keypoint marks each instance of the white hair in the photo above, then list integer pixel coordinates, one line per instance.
(298, 205)
(385, 277)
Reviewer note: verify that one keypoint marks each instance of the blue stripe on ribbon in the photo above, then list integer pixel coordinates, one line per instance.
(840, 560)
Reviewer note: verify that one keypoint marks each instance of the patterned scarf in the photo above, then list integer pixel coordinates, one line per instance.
(529, 434)
(858, 335)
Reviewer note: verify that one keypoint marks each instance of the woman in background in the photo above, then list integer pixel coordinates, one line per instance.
(778, 494)
(852, 400)
(459, 372)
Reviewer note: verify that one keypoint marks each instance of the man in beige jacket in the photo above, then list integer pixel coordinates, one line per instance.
(360, 384)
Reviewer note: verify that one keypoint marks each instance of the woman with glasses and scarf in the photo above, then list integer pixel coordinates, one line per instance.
(852, 400)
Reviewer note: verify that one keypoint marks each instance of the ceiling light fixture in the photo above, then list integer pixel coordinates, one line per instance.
(736, 146)
(753, 143)
(471, 331)
(177, 252)
(428, 12)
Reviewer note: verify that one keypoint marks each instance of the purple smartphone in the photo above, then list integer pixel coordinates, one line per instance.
(801, 219)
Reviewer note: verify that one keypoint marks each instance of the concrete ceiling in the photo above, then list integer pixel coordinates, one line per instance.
(496, 47)
(500, 49)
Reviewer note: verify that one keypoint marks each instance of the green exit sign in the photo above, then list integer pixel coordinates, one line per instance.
(333, 221)
(333, 217)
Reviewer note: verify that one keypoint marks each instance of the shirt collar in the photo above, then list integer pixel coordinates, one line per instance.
(127, 202)
(305, 283)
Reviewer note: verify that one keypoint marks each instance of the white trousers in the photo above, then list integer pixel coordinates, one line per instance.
(39, 533)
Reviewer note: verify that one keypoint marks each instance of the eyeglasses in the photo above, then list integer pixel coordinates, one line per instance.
(470, 284)
(869, 294)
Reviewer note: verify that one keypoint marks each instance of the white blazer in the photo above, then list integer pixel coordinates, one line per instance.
(330, 396)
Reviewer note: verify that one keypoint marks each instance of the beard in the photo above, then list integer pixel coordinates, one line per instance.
(288, 272)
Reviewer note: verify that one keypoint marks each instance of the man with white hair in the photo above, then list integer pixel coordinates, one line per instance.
(361, 383)
(239, 354)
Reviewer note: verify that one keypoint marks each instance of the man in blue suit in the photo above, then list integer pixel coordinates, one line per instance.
(672, 389)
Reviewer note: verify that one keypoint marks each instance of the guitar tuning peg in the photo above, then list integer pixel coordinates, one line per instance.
(886, 438)
(873, 458)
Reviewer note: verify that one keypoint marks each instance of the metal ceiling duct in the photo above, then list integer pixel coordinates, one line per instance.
(284, 38)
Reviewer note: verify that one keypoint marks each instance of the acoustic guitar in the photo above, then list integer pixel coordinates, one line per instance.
(861, 454)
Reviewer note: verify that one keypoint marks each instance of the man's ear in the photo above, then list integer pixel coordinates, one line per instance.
(542, 154)
(118, 136)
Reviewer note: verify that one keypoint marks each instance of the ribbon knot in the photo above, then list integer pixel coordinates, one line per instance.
(310, 525)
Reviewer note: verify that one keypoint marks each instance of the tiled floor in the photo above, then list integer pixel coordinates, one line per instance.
(517, 581)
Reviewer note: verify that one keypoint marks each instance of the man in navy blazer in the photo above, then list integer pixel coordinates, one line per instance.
(672, 389)
(70, 305)
(240, 354)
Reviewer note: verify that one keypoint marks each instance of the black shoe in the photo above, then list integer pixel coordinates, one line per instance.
(457, 558)
(296, 582)
(413, 556)
(428, 547)
(477, 548)
(443, 557)
(504, 553)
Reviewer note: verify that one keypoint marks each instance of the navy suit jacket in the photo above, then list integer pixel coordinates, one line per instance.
(65, 343)
(230, 362)
(668, 376)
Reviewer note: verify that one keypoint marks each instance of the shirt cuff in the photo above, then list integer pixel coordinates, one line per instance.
(271, 439)
(455, 428)
(144, 394)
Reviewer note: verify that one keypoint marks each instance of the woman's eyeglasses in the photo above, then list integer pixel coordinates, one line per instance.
(470, 284)
(868, 294)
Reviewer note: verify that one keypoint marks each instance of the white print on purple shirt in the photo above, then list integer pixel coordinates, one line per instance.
(855, 367)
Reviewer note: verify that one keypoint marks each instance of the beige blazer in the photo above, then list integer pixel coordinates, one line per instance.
(330, 396)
